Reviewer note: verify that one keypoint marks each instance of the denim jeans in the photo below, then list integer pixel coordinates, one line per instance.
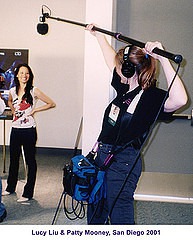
(117, 208)
(26, 137)
(2, 206)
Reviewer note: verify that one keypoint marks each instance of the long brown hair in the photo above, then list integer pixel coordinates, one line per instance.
(145, 65)
(27, 95)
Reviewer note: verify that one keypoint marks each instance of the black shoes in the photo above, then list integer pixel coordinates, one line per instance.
(3, 216)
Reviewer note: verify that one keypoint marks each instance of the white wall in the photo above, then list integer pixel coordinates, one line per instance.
(63, 61)
(96, 73)
(57, 61)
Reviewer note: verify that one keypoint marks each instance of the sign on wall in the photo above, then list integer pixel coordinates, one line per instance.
(9, 60)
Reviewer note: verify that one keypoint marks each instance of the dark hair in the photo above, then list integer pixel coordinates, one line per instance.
(2, 82)
(145, 65)
(27, 95)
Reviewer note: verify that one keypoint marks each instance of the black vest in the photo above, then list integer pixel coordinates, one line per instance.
(142, 118)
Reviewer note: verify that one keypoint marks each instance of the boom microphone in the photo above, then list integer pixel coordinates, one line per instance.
(42, 27)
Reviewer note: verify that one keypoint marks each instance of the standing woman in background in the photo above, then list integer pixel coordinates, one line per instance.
(22, 101)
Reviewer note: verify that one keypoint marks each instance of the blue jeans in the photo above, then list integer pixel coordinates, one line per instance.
(120, 211)
(2, 207)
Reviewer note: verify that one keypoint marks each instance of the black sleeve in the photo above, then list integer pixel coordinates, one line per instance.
(165, 116)
(153, 104)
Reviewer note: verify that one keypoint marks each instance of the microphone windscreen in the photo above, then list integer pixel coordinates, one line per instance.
(42, 28)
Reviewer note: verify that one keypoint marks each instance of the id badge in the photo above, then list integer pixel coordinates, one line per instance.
(113, 115)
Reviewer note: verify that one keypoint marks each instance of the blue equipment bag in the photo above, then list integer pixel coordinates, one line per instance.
(84, 181)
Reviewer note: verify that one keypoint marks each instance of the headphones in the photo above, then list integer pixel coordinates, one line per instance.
(128, 68)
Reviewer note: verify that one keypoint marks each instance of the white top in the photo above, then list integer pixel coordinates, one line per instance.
(134, 102)
(22, 118)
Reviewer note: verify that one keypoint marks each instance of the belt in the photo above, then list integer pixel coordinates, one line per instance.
(136, 144)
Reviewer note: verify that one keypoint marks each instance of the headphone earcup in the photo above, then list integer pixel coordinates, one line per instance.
(128, 69)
